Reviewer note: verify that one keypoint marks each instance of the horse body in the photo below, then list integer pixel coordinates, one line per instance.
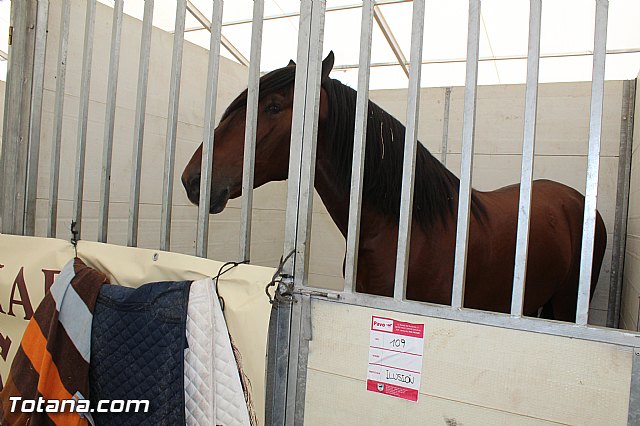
(556, 211)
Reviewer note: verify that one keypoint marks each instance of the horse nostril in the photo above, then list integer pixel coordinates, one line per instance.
(194, 185)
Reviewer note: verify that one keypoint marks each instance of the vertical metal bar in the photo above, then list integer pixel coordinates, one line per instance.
(445, 125)
(35, 122)
(172, 126)
(57, 119)
(622, 203)
(277, 362)
(410, 148)
(297, 125)
(466, 167)
(138, 131)
(528, 144)
(109, 119)
(593, 161)
(83, 114)
(250, 130)
(209, 127)
(310, 133)
(359, 147)
(633, 416)
(11, 146)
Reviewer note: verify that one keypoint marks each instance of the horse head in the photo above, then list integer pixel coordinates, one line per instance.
(273, 136)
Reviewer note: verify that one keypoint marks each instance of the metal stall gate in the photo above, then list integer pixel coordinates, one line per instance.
(296, 304)
(304, 318)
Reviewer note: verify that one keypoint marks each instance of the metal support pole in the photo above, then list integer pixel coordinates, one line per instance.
(466, 167)
(209, 128)
(410, 149)
(109, 120)
(138, 131)
(359, 148)
(172, 126)
(593, 162)
(528, 144)
(83, 114)
(250, 131)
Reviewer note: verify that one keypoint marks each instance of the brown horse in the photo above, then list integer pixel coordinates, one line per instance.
(556, 211)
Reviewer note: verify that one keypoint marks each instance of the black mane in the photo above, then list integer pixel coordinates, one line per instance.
(435, 189)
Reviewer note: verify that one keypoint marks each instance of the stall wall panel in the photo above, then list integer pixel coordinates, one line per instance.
(629, 314)
(471, 374)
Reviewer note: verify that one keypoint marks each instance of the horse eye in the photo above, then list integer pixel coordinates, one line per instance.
(273, 108)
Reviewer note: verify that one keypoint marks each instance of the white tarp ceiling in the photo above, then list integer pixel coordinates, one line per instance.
(567, 35)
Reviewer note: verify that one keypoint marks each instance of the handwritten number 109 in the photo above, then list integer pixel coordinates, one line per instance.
(397, 343)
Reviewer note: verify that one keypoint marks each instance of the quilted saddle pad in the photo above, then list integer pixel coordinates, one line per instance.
(213, 392)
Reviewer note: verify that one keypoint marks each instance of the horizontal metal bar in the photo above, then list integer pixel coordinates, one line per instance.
(593, 162)
(493, 58)
(359, 148)
(493, 319)
(526, 175)
(4, 55)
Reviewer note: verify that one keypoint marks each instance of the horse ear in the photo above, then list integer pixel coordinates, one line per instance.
(327, 66)
(291, 63)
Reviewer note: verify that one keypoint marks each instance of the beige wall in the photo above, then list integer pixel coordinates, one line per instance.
(631, 281)
(233, 77)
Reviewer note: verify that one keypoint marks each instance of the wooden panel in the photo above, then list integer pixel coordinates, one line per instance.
(486, 373)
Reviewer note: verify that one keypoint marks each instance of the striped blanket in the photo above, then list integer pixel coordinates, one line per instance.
(53, 359)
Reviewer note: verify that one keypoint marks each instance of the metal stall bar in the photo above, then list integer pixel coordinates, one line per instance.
(209, 127)
(622, 203)
(109, 119)
(359, 147)
(57, 119)
(138, 130)
(288, 343)
(593, 161)
(83, 114)
(250, 131)
(526, 178)
(445, 125)
(410, 148)
(280, 334)
(466, 167)
(172, 126)
(35, 122)
(10, 158)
